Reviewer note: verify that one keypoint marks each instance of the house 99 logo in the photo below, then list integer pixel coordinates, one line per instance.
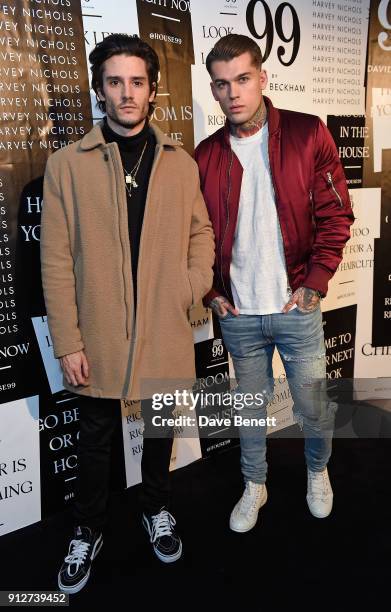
(276, 26)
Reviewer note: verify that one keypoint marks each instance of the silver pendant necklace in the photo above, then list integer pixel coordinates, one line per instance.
(130, 177)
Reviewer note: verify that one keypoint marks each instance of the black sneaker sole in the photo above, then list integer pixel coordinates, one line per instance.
(78, 587)
(161, 556)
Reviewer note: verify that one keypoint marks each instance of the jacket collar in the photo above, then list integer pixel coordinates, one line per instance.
(94, 138)
(273, 119)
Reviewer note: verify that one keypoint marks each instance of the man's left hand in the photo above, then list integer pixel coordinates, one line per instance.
(305, 299)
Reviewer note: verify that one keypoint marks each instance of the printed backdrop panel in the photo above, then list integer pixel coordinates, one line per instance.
(332, 59)
(20, 487)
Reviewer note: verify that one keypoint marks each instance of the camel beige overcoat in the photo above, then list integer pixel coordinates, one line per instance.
(86, 267)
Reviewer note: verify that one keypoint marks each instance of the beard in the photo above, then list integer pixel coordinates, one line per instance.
(113, 114)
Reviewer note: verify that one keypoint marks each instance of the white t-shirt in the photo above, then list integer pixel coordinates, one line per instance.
(259, 280)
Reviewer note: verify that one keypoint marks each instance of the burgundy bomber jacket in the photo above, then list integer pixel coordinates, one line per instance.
(311, 194)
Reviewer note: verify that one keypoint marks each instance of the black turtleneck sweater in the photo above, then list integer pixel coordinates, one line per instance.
(130, 148)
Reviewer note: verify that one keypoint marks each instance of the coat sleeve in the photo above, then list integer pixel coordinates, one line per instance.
(332, 212)
(58, 279)
(201, 251)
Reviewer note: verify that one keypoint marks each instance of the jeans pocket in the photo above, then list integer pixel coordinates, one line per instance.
(228, 315)
(308, 312)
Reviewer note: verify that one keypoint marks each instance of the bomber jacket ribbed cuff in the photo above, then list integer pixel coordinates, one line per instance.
(317, 279)
(206, 300)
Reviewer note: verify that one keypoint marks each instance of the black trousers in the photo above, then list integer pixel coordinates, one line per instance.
(99, 418)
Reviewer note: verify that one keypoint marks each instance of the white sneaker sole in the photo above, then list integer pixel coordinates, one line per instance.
(78, 587)
(253, 523)
(171, 558)
(319, 514)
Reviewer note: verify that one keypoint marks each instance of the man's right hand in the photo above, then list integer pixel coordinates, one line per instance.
(220, 305)
(75, 368)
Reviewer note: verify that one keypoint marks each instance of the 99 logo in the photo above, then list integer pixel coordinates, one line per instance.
(279, 26)
(383, 11)
(217, 348)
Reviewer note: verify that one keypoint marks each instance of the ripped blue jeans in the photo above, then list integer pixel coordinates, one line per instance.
(299, 339)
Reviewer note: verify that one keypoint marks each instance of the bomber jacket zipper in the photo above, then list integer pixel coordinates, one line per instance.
(289, 288)
(227, 223)
(330, 182)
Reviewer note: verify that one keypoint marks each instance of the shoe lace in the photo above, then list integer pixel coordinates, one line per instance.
(319, 484)
(162, 524)
(249, 499)
(78, 550)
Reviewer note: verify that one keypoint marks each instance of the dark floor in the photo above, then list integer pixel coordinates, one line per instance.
(289, 560)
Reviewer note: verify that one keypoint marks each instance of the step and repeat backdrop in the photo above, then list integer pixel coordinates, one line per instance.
(332, 59)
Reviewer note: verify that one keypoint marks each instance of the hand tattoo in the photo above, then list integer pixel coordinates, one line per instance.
(217, 303)
(307, 299)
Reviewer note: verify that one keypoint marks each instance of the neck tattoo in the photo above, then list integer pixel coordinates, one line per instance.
(251, 126)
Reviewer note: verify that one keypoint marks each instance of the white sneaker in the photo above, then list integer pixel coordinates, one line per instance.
(245, 513)
(319, 493)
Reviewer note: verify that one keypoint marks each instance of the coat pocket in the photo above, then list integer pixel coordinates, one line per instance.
(190, 291)
(187, 290)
